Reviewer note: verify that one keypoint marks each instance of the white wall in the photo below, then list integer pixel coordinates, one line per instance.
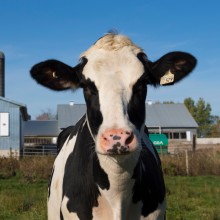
(208, 140)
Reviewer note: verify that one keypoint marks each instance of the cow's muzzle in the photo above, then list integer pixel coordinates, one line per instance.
(118, 141)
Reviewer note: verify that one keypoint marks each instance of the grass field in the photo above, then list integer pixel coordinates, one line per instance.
(193, 198)
(20, 200)
(187, 198)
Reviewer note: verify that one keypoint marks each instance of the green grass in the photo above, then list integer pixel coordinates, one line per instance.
(193, 198)
(20, 200)
(188, 198)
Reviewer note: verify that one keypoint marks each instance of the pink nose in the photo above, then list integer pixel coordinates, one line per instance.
(118, 141)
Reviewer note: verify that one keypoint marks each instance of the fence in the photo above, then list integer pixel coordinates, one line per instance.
(42, 150)
(208, 140)
(188, 162)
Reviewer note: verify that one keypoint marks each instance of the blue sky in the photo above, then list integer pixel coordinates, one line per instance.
(35, 30)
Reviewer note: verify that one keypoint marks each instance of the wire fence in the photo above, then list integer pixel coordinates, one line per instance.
(188, 162)
(42, 150)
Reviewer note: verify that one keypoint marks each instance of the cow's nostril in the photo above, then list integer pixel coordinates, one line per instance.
(129, 139)
(116, 137)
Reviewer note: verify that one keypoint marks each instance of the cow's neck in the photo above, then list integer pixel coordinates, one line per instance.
(120, 172)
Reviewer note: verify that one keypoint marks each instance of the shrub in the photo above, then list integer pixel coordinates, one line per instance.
(8, 167)
(36, 168)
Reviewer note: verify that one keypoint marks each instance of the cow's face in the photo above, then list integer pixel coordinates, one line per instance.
(114, 74)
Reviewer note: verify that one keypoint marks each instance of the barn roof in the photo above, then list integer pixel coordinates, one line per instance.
(41, 128)
(69, 114)
(21, 106)
(169, 115)
(163, 115)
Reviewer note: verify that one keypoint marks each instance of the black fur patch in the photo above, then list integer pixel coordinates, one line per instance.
(69, 131)
(137, 103)
(149, 185)
(91, 95)
(83, 175)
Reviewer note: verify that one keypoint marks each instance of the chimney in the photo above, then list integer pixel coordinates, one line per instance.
(2, 74)
(149, 102)
(71, 103)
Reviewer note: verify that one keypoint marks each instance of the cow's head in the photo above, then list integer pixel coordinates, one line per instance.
(114, 74)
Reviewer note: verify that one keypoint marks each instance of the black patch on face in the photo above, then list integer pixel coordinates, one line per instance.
(146, 63)
(93, 106)
(117, 149)
(136, 105)
(149, 184)
(83, 175)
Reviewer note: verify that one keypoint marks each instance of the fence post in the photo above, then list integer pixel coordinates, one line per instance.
(187, 162)
(194, 143)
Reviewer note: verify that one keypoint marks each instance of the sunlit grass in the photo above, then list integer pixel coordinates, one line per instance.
(193, 197)
(23, 187)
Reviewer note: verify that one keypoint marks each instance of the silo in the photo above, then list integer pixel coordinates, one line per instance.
(2, 74)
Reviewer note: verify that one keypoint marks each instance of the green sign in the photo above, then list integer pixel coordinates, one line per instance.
(159, 139)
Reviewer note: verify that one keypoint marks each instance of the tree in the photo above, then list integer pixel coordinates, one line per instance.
(190, 104)
(46, 115)
(215, 129)
(201, 112)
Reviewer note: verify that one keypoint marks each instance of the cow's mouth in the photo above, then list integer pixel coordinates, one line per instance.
(118, 149)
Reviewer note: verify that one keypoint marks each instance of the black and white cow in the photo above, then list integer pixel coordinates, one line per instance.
(107, 169)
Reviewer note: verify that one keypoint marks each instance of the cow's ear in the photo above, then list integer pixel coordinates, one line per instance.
(56, 75)
(171, 68)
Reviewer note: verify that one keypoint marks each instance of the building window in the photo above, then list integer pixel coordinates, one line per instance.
(183, 135)
(4, 124)
(37, 141)
(176, 135)
(171, 135)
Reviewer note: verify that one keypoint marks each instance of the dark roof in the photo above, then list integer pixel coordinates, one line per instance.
(41, 128)
(163, 115)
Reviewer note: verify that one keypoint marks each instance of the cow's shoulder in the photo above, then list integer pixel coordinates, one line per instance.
(149, 185)
(83, 175)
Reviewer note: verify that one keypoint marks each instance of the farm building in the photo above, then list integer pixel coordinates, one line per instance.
(40, 137)
(12, 118)
(174, 120)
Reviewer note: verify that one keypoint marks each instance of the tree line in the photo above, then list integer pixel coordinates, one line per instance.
(209, 125)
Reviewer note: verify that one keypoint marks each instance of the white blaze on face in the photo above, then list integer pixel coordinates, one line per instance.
(114, 68)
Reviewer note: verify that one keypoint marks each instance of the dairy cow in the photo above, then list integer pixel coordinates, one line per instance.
(107, 169)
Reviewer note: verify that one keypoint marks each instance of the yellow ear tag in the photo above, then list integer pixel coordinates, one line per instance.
(167, 78)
